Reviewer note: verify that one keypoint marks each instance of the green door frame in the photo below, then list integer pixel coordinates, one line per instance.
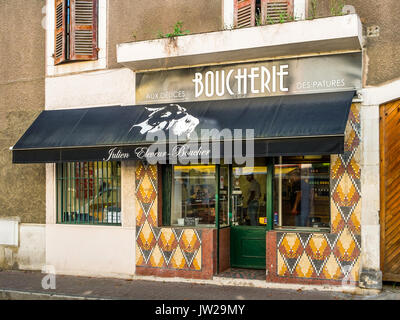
(270, 193)
(269, 196)
(217, 172)
(167, 180)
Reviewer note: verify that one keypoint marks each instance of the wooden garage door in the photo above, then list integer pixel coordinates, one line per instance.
(390, 190)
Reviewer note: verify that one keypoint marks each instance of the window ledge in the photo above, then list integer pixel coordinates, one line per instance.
(191, 227)
(301, 230)
(310, 37)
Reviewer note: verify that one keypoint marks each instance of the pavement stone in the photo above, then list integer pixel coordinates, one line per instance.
(21, 285)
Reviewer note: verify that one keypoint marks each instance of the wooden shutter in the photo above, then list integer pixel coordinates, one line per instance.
(273, 11)
(245, 12)
(60, 28)
(83, 34)
(390, 190)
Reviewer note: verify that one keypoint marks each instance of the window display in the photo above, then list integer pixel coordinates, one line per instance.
(89, 193)
(193, 195)
(302, 189)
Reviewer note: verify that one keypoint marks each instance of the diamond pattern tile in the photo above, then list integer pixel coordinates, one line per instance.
(304, 268)
(178, 260)
(291, 247)
(335, 255)
(282, 268)
(161, 247)
(318, 247)
(346, 249)
(157, 258)
(331, 270)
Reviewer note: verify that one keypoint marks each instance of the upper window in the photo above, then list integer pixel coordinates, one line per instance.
(302, 192)
(249, 13)
(76, 25)
(89, 193)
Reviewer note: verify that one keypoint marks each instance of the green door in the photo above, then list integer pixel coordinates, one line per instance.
(249, 211)
(248, 247)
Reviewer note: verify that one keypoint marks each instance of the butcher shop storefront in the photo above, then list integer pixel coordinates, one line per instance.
(252, 166)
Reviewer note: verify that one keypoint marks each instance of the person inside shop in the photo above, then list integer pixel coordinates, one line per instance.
(253, 201)
(206, 195)
(196, 194)
(301, 198)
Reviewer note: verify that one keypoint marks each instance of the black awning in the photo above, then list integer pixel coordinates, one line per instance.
(284, 125)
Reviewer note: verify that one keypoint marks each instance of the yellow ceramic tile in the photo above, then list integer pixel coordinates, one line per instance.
(355, 109)
(153, 172)
(146, 236)
(354, 274)
(331, 269)
(146, 190)
(291, 243)
(346, 244)
(139, 256)
(156, 258)
(336, 218)
(304, 268)
(356, 218)
(189, 240)
(178, 260)
(153, 215)
(139, 214)
(282, 268)
(357, 158)
(318, 245)
(167, 238)
(336, 167)
(197, 260)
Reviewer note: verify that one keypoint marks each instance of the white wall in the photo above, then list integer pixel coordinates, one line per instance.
(32, 250)
(99, 251)
(9, 231)
(372, 97)
(91, 89)
(91, 250)
(228, 14)
(22, 245)
(299, 9)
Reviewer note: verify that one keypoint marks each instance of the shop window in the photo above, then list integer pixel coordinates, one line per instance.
(249, 195)
(193, 195)
(89, 193)
(190, 195)
(302, 193)
(249, 13)
(75, 30)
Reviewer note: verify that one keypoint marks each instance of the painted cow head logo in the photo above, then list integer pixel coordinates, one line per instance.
(172, 117)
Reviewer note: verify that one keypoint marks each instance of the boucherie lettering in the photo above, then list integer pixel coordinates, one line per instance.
(241, 81)
(304, 75)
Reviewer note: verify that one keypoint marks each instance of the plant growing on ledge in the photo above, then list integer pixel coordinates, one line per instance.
(313, 9)
(282, 18)
(336, 7)
(176, 33)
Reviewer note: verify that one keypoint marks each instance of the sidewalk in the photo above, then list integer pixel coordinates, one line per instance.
(19, 285)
